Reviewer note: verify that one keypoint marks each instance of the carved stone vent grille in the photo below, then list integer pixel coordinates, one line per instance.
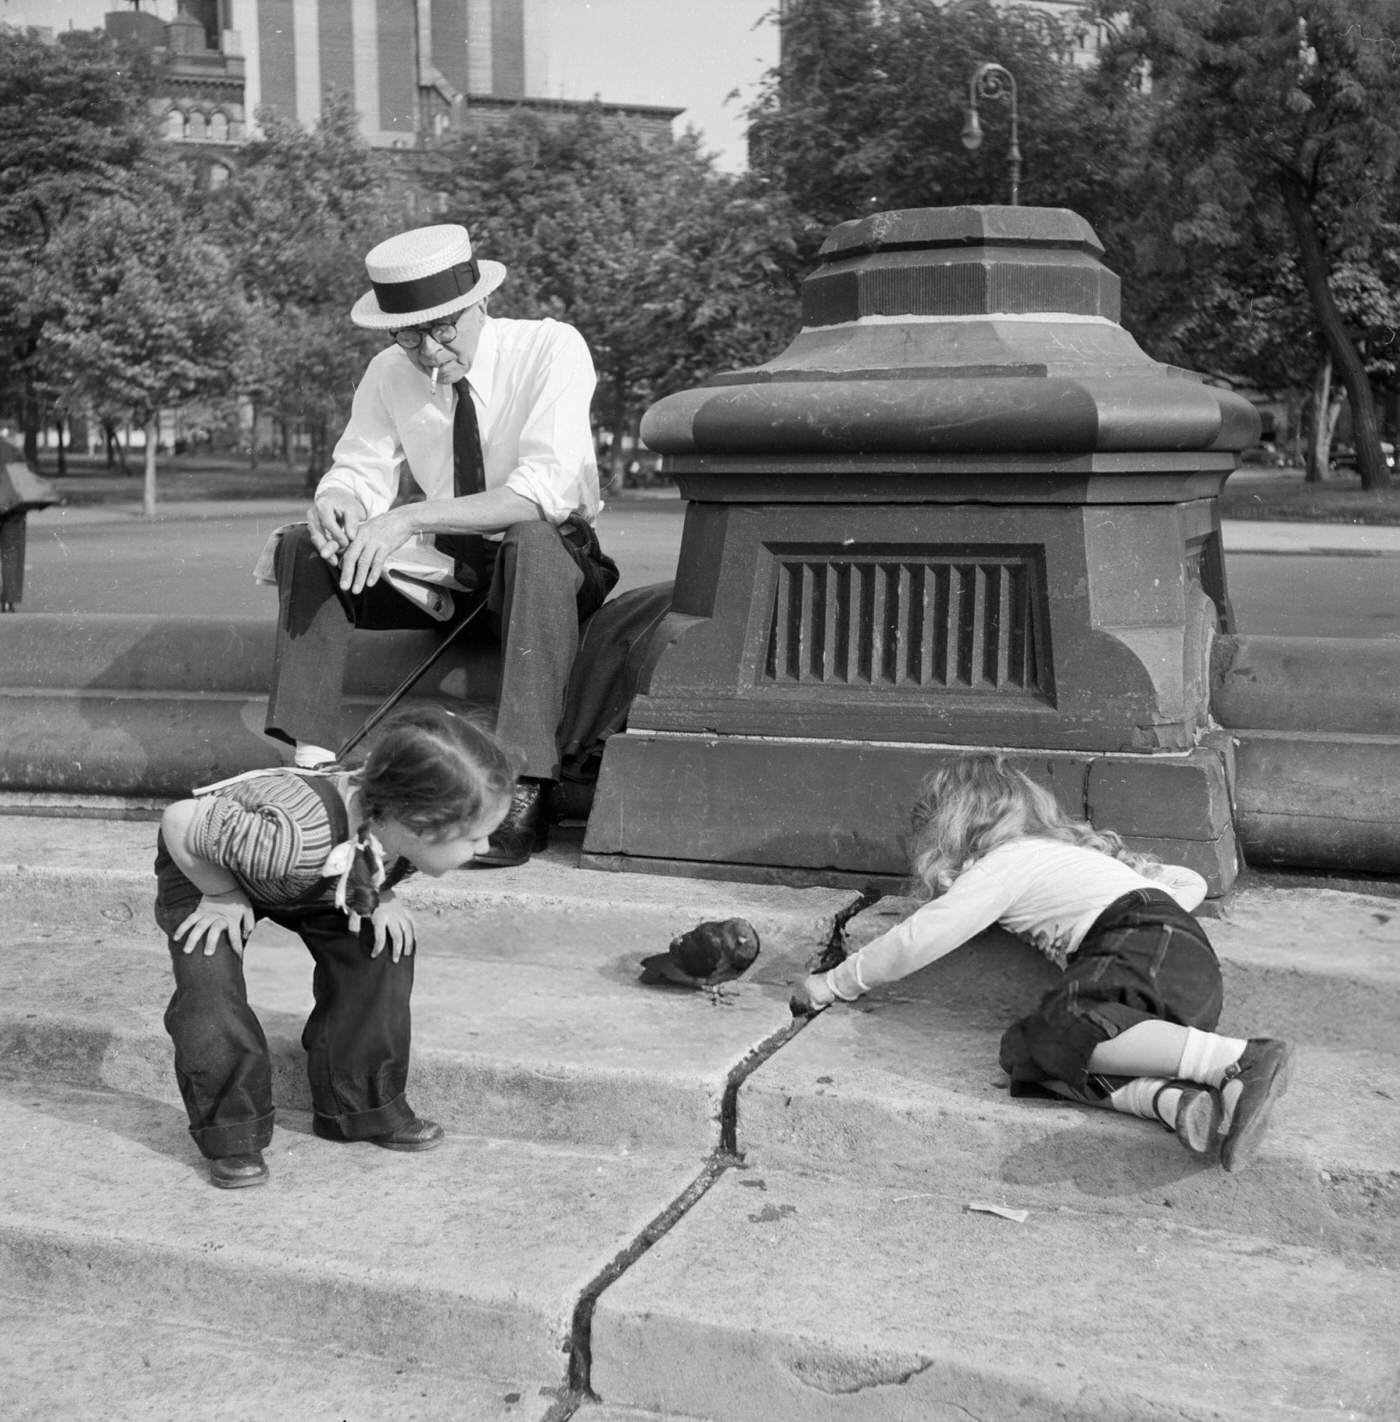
(907, 618)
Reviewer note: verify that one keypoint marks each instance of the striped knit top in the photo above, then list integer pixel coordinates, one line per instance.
(270, 831)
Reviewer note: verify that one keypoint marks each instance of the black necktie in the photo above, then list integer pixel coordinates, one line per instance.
(468, 477)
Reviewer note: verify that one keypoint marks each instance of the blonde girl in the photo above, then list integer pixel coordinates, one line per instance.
(1131, 1024)
(319, 852)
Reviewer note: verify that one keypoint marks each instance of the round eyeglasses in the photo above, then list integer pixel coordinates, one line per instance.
(411, 339)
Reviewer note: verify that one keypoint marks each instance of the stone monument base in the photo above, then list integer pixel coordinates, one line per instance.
(761, 808)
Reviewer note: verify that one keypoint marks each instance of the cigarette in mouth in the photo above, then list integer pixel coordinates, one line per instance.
(435, 376)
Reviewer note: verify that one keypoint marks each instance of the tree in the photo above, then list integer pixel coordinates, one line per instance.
(1275, 124)
(669, 270)
(75, 130)
(144, 315)
(297, 218)
(865, 110)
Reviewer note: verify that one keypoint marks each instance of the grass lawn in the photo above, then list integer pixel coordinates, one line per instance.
(1282, 495)
(1250, 493)
(179, 478)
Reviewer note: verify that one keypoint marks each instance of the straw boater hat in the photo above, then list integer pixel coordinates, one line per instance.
(421, 275)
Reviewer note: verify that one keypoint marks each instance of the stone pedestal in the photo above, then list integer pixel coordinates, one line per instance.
(962, 509)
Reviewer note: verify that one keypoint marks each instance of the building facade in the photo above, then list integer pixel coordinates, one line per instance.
(414, 70)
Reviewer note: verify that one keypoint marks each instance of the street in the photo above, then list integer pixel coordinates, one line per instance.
(95, 560)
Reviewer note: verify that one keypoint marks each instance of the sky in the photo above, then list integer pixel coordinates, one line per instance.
(679, 53)
(687, 54)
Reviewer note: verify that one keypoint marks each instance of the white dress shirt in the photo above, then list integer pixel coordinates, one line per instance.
(531, 382)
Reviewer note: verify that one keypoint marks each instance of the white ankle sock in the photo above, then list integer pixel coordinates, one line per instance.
(308, 757)
(1136, 1097)
(1207, 1056)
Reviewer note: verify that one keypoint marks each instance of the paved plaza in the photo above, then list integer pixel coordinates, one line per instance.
(657, 1204)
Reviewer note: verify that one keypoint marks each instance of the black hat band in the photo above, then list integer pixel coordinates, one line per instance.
(398, 297)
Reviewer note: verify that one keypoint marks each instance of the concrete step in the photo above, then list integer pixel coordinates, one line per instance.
(529, 1019)
(833, 1269)
(136, 706)
(455, 1272)
(121, 1368)
(904, 1087)
(788, 1295)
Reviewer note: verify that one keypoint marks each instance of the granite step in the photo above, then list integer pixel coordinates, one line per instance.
(787, 1294)
(904, 1086)
(454, 1273)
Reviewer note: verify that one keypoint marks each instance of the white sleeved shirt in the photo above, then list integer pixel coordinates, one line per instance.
(531, 381)
(1044, 891)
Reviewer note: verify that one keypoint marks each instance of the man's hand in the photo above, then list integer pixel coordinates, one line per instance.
(218, 916)
(333, 521)
(363, 558)
(393, 925)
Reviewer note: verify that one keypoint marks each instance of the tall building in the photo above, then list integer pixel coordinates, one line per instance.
(413, 69)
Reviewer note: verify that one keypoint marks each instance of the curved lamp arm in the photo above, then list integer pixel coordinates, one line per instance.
(994, 81)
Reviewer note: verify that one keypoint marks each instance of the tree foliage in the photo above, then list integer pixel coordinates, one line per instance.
(296, 220)
(143, 313)
(75, 130)
(865, 111)
(670, 270)
(1270, 126)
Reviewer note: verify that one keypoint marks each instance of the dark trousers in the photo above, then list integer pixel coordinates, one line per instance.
(356, 1038)
(1145, 958)
(543, 581)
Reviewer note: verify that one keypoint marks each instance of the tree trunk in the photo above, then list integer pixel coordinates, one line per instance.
(1290, 447)
(62, 451)
(316, 455)
(29, 419)
(1321, 422)
(148, 498)
(1366, 431)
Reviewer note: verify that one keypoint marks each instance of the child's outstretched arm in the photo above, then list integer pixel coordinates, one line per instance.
(224, 910)
(976, 900)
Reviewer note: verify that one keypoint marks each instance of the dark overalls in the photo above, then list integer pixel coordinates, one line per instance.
(1144, 959)
(356, 1038)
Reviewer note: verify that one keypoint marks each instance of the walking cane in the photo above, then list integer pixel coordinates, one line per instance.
(400, 691)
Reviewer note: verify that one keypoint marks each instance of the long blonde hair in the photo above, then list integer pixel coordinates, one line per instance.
(978, 802)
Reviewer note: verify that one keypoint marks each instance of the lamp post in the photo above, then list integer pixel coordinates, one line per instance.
(994, 81)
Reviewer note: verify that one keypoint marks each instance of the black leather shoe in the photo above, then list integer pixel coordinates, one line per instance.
(525, 829)
(234, 1172)
(416, 1134)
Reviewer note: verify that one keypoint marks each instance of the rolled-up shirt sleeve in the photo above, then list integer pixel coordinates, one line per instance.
(556, 468)
(369, 455)
(262, 846)
(1186, 886)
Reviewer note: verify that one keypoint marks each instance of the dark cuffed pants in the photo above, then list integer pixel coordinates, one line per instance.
(543, 581)
(1145, 958)
(356, 1038)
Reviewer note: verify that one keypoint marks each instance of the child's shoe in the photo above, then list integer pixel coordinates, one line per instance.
(1249, 1089)
(1196, 1120)
(415, 1134)
(234, 1172)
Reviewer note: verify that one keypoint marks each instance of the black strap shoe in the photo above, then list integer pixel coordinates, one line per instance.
(525, 829)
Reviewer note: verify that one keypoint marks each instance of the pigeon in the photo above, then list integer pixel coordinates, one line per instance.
(709, 953)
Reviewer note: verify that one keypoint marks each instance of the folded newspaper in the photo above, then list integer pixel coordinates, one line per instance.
(424, 574)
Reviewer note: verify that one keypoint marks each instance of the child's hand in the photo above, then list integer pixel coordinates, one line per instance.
(393, 924)
(810, 997)
(227, 915)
